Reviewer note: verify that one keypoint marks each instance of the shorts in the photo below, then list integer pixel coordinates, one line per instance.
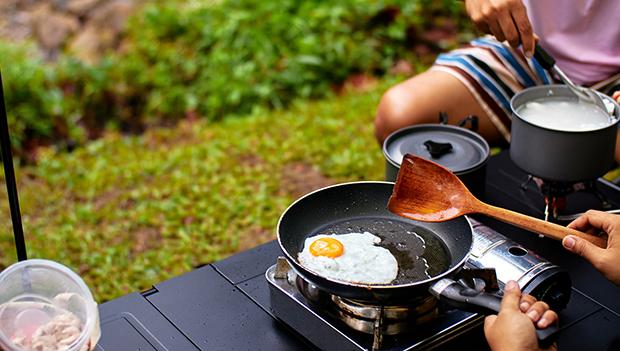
(494, 72)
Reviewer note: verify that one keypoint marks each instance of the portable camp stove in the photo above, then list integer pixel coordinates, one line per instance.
(331, 322)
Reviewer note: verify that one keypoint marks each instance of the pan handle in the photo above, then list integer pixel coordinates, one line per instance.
(543, 57)
(472, 300)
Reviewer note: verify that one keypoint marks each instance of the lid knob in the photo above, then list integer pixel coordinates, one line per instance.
(437, 149)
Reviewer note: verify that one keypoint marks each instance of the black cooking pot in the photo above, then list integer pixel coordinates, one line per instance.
(462, 151)
(565, 156)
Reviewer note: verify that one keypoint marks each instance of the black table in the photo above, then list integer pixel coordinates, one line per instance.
(225, 305)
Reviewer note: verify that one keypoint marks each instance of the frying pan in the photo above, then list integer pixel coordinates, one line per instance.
(362, 206)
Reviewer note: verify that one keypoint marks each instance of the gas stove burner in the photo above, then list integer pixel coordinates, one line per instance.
(423, 308)
(384, 320)
(374, 319)
(555, 194)
(363, 316)
(390, 320)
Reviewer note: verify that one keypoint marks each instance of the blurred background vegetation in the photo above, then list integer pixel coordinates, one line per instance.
(154, 137)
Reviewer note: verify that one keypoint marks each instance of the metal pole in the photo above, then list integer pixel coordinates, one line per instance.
(9, 176)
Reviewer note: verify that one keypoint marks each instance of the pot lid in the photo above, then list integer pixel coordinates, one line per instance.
(455, 148)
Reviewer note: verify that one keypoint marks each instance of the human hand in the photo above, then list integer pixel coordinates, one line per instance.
(616, 96)
(513, 327)
(606, 261)
(505, 19)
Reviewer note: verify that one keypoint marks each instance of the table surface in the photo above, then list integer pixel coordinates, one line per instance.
(225, 305)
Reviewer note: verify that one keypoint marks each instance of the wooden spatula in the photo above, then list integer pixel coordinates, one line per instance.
(428, 192)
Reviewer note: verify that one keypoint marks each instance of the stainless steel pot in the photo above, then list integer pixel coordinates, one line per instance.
(565, 156)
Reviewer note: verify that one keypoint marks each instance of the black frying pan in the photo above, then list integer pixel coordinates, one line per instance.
(362, 206)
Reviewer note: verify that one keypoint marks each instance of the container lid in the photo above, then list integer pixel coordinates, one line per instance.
(455, 148)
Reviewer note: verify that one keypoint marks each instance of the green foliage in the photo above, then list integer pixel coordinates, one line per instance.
(221, 60)
(29, 91)
(51, 103)
(212, 60)
(128, 212)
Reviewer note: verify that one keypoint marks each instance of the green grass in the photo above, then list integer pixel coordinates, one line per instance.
(128, 212)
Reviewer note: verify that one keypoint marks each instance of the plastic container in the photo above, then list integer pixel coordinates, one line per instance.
(46, 306)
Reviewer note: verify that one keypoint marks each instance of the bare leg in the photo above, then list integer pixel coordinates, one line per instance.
(421, 98)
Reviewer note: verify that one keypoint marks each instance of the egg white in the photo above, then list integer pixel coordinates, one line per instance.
(361, 261)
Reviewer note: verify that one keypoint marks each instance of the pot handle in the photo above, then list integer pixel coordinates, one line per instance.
(472, 300)
(443, 117)
(473, 122)
(543, 57)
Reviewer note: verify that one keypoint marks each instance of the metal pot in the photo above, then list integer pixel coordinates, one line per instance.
(565, 156)
(462, 151)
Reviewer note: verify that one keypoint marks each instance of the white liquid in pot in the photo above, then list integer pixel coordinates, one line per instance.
(564, 115)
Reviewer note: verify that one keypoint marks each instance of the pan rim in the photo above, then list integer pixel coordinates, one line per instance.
(294, 263)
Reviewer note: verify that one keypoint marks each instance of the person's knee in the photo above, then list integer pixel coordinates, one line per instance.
(395, 111)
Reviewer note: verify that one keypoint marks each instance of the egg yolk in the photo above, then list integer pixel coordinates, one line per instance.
(328, 247)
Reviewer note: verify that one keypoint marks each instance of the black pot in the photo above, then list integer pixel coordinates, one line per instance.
(564, 156)
(462, 151)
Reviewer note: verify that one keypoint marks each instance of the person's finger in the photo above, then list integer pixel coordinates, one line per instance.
(526, 302)
(526, 34)
(536, 311)
(511, 34)
(512, 296)
(616, 96)
(488, 322)
(580, 223)
(593, 219)
(496, 30)
(474, 10)
(548, 318)
(585, 249)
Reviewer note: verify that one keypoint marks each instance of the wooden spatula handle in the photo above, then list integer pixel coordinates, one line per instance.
(550, 230)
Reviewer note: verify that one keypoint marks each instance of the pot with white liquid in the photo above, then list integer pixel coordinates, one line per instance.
(557, 138)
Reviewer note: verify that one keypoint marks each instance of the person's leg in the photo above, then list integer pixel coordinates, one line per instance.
(421, 98)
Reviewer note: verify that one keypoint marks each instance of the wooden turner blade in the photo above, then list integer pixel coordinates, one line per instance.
(425, 191)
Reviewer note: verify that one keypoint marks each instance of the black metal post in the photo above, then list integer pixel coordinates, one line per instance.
(9, 176)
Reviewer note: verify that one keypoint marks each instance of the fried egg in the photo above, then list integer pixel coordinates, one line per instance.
(353, 258)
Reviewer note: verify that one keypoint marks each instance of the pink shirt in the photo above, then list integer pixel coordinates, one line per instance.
(582, 35)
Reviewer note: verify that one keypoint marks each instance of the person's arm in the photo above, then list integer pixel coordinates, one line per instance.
(513, 328)
(606, 261)
(505, 19)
